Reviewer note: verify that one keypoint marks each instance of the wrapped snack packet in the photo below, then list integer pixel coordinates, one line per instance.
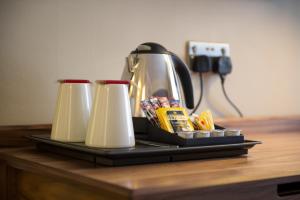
(154, 102)
(194, 119)
(209, 119)
(204, 121)
(174, 103)
(149, 112)
(164, 102)
(200, 123)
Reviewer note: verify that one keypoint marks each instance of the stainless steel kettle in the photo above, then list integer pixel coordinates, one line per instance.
(151, 70)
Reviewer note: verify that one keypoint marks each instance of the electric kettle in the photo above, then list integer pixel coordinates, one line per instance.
(153, 71)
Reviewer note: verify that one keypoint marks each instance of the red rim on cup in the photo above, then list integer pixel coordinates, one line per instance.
(74, 81)
(113, 82)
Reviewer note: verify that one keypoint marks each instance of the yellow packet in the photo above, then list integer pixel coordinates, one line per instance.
(205, 121)
(207, 114)
(174, 119)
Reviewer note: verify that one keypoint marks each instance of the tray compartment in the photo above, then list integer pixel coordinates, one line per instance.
(149, 132)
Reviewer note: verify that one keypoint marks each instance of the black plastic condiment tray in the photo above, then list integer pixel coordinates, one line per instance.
(145, 130)
(144, 151)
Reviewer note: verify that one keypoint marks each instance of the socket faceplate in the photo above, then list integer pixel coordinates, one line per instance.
(208, 49)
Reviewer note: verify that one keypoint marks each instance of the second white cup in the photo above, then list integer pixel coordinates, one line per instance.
(110, 124)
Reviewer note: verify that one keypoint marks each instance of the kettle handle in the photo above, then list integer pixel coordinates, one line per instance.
(185, 79)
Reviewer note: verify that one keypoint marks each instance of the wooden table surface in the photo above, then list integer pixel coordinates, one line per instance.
(275, 161)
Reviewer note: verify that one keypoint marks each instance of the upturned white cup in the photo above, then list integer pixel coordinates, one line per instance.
(72, 112)
(110, 124)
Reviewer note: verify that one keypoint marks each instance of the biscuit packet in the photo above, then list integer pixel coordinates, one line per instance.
(204, 121)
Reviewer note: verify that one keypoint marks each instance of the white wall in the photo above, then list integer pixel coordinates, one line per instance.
(45, 40)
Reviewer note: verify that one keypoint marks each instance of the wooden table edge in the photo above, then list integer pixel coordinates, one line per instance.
(142, 193)
(23, 164)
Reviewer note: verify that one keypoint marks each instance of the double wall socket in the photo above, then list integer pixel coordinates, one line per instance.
(207, 49)
(206, 57)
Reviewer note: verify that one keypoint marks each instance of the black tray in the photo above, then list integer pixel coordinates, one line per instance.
(145, 130)
(143, 152)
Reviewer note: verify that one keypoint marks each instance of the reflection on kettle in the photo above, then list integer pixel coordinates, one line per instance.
(153, 71)
(161, 92)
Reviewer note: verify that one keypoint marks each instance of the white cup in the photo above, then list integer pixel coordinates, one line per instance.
(72, 112)
(110, 124)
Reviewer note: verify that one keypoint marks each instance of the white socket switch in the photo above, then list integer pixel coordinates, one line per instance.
(207, 49)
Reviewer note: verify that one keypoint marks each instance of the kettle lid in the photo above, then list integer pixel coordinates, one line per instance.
(150, 48)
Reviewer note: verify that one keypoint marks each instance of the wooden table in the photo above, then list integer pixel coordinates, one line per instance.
(270, 168)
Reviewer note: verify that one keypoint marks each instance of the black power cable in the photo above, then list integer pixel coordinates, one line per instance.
(201, 94)
(227, 98)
